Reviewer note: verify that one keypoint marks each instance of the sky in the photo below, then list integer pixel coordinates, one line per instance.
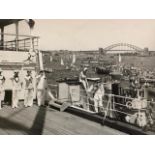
(90, 34)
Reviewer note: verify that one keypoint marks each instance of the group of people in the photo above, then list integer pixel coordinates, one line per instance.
(29, 84)
(94, 93)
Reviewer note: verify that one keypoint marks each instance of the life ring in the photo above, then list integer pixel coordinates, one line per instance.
(129, 105)
(33, 52)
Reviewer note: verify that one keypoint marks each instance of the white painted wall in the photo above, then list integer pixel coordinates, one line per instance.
(13, 56)
(16, 57)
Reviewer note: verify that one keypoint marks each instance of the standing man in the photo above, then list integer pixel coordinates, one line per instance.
(41, 88)
(2, 91)
(17, 85)
(84, 82)
(98, 97)
(29, 89)
(83, 78)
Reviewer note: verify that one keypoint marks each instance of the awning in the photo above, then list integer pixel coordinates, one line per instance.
(6, 22)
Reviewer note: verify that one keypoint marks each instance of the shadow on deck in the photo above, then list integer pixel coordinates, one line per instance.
(38, 124)
(44, 120)
(8, 124)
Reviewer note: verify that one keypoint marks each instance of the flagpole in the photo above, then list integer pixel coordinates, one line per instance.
(119, 60)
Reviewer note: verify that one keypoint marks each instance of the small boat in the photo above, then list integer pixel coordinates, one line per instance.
(103, 70)
(147, 80)
(116, 75)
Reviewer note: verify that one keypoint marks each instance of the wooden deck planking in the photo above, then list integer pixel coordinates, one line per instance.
(78, 125)
(44, 120)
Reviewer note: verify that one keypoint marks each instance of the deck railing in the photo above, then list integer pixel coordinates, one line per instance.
(23, 43)
(136, 111)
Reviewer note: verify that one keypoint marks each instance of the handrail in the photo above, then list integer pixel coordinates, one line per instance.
(21, 39)
(20, 35)
(112, 108)
(23, 44)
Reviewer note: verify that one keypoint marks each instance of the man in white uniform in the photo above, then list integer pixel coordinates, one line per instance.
(41, 88)
(98, 97)
(29, 90)
(17, 85)
(2, 90)
(83, 78)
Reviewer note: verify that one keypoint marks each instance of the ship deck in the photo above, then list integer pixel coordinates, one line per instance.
(47, 121)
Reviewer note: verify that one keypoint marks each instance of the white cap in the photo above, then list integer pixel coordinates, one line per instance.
(85, 69)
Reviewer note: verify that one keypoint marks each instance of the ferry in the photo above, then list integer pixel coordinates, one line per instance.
(114, 102)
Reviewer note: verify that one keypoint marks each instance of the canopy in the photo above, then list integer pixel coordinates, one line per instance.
(6, 22)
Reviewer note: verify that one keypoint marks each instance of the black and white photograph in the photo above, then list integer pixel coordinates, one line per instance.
(77, 76)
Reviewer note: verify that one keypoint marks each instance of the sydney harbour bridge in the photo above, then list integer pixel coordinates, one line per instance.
(123, 48)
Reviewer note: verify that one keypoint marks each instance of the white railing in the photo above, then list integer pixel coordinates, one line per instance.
(23, 43)
(139, 116)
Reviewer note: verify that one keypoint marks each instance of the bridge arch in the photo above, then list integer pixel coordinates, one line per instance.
(120, 46)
